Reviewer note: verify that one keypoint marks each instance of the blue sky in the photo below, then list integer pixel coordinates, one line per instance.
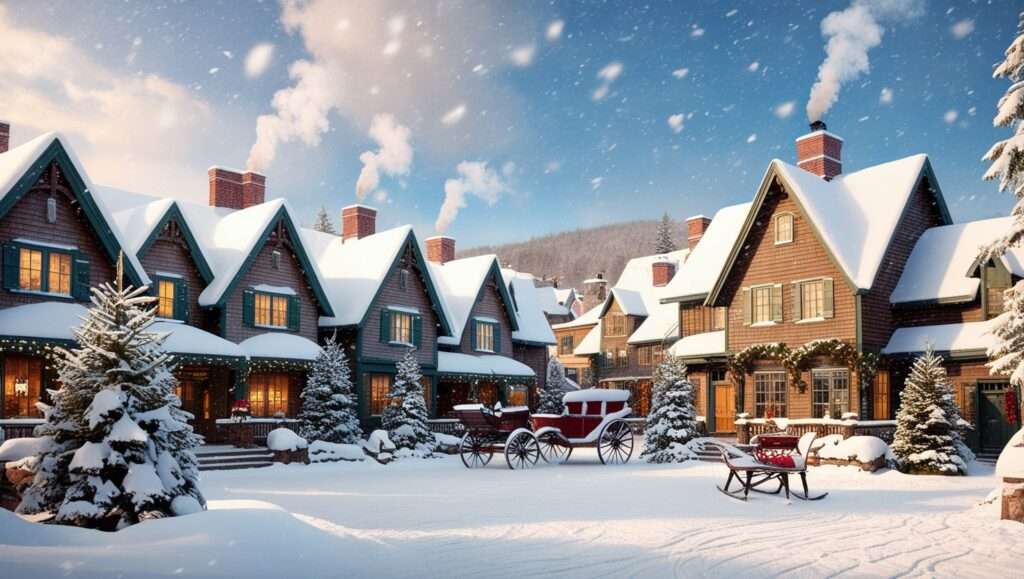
(152, 94)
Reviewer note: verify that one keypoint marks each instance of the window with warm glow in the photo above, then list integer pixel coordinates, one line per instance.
(401, 327)
(30, 270)
(770, 394)
(23, 378)
(268, 394)
(484, 337)
(165, 300)
(380, 389)
(60, 273)
(271, 311)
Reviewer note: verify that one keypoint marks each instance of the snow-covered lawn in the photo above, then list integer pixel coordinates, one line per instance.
(419, 518)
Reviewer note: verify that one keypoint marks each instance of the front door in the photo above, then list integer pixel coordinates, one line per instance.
(993, 422)
(725, 408)
(197, 400)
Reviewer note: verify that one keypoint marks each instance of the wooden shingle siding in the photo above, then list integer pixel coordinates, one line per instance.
(262, 272)
(27, 220)
(929, 315)
(172, 256)
(696, 319)
(413, 296)
(536, 357)
(489, 305)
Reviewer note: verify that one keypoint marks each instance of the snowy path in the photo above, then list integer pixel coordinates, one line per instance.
(435, 518)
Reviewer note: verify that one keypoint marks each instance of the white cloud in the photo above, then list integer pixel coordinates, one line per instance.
(596, 182)
(680, 72)
(885, 97)
(554, 30)
(851, 34)
(675, 122)
(752, 137)
(454, 115)
(258, 60)
(607, 76)
(697, 32)
(552, 167)
(522, 56)
(950, 116)
(474, 178)
(784, 110)
(962, 29)
(754, 66)
(393, 157)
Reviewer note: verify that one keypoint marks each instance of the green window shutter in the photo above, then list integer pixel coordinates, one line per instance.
(385, 326)
(748, 310)
(777, 303)
(417, 329)
(497, 337)
(798, 306)
(11, 265)
(80, 275)
(827, 291)
(294, 313)
(249, 307)
(180, 300)
(472, 335)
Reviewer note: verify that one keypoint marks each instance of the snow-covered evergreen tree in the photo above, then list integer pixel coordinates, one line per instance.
(927, 424)
(663, 242)
(118, 447)
(549, 398)
(323, 222)
(329, 407)
(406, 418)
(672, 421)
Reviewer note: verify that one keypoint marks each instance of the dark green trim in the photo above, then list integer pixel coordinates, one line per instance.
(173, 212)
(533, 343)
(935, 302)
(510, 305)
(685, 299)
(300, 251)
(858, 320)
(44, 264)
(55, 152)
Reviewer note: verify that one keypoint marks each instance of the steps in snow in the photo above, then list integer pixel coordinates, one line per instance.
(227, 458)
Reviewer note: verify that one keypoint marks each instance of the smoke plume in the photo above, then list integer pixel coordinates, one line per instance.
(394, 156)
(474, 178)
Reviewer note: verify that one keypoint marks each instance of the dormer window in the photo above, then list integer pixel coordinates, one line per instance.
(783, 228)
(165, 301)
(271, 307)
(616, 325)
(486, 335)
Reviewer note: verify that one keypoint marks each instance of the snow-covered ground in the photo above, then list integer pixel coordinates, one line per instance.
(420, 518)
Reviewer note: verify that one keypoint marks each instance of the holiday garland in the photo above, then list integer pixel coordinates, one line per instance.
(799, 360)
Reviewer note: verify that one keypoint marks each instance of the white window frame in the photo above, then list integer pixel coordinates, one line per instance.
(754, 290)
(792, 228)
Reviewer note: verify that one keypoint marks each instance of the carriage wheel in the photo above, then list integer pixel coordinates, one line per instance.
(522, 450)
(474, 451)
(553, 448)
(615, 445)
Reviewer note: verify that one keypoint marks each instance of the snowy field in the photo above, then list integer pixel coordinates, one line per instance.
(419, 518)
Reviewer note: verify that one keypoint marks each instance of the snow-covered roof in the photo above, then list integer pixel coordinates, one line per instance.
(459, 282)
(596, 395)
(962, 338)
(137, 223)
(939, 268)
(280, 345)
(700, 345)
(631, 302)
(186, 339)
(42, 320)
(485, 365)
(637, 295)
(588, 318)
(550, 301)
(591, 343)
(533, 324)
(565, 296)
(700, 270)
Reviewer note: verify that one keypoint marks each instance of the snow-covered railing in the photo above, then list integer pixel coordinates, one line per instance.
(748, 428)
(18, 427)
(450, 426)
(253, 430)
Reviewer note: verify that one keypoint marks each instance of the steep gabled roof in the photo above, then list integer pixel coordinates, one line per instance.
(855, 215)
(461, 282)
(552, 302)
(21, 167)
(699, 272)
(142, 224)
(532, 324)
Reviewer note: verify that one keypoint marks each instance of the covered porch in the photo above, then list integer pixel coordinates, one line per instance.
(487, 379)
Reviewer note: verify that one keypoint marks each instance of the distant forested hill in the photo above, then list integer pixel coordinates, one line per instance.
(573, 256)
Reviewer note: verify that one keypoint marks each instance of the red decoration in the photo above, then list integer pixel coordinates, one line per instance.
(1011, 406)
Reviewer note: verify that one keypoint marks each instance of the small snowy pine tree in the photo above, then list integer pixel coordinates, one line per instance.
(927, 422)
(664, 242)
(406, 418)
(323, 222)
(672, 421)
(549, 398)
(329, 407)
(118, 447)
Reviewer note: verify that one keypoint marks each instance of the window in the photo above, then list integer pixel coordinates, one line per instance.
(271, 310)
(830, 392)
(881, 392)
(761, 297)
(401, 327)
(623, 359)
(783, 228)
(609, 359)
(165, 301)
(427, 384)
(565, 345)
(30, 271)
(813, 299)
(645, 354)
(275, 259)
(516, 395)
(770, 394)
(380, 391)
(718, 318)
(403, 279)
(762, 304)
(43, 269)
(485, 336)
(23, 378)
(659, 354)
(268, 394)
(60, 273)
(616, 325)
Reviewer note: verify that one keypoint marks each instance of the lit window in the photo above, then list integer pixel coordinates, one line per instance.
(565, 345)
(516, 395)
(812, 299)
(165, 304)
(60, 273)
(268, 394)
(770, 394)
(271, 311)
(623, 359)
(484, 337)
(380, 388)
(761, 302)
(784, 228)
(30, 270)
(401, 327)
(23, 378)
(831, 392)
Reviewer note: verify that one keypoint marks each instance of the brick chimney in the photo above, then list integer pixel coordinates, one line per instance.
(820, 152)
(662, 271)
(359, 221)
(5, 136)
(234, 190)
(695, 228)
(440, 249)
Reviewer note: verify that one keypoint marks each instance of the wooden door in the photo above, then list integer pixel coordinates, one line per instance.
(725, 408)
(993, 422)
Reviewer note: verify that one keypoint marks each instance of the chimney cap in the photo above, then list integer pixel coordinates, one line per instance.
(439, 237)
(358, 206)
(819, 125)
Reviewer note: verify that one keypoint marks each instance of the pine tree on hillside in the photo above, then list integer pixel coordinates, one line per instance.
(549, 398)
(664, 242)
(323, 222)
(406, 419)
(927, 422)
(329, 406)
(1007, 158)
(672, 421)
(118, 447)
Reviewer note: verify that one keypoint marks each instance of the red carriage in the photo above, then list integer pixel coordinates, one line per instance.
(590, 418)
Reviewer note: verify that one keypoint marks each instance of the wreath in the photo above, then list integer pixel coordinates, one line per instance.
(799, 360)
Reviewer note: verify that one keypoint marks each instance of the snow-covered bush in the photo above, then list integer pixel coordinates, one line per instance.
(869, 452)
(405, 418)
(284, 439)
(116, 446)
(549, 398)
(672, 421)
(926, 425)
(320, 451)
(329, 407)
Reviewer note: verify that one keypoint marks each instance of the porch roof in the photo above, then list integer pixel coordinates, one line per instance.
(700, 345)
(969, 338)
(280, 346)
(192, 341)
(482, 365)
(42, 321)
